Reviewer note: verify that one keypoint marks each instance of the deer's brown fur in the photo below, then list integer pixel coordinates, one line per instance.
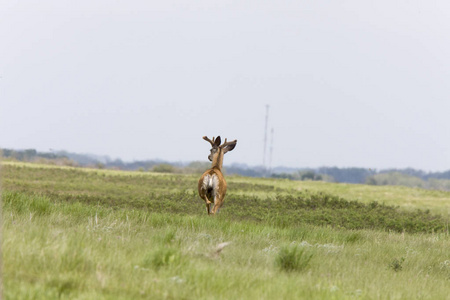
(212, 186)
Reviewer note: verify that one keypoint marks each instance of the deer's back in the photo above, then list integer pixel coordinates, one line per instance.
(212, 182)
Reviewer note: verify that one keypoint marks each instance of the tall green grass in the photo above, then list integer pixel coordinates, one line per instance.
(58, 245)
(177, 194)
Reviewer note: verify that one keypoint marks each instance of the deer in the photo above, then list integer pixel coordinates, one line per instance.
(212, 186)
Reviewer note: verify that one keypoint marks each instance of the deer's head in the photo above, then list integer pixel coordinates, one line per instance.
(217, 149)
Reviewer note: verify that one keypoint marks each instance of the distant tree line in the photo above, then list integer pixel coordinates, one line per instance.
(28, 154)
(300, 175)
(398, 178)
(406, 177)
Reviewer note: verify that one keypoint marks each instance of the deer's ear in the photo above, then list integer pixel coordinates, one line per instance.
(217, 141)
(229, 147)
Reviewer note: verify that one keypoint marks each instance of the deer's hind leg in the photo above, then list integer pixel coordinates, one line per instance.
(204, 195)
(208, 205)
(217, 204)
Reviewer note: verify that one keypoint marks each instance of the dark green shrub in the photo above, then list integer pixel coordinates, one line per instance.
(397, 264)
(292, 258)
(164, 168)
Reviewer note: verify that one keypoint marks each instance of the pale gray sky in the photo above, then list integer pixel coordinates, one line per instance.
(350, 83)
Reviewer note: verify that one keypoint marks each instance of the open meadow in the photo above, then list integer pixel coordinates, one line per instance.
(74, 233)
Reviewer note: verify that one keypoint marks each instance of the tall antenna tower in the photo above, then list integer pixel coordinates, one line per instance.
(265, 136)
(270, 151)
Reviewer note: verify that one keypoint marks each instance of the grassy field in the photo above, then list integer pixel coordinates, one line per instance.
(72, 233)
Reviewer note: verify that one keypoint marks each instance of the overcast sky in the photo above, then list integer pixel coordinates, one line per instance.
(349, 83)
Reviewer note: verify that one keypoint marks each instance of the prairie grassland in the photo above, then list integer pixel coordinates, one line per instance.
(438, 202)
(405, 197)
(88, 234)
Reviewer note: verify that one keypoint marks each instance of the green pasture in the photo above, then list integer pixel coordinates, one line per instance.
(72, 233)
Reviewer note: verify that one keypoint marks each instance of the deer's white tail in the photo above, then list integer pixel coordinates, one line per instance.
(211, 185)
